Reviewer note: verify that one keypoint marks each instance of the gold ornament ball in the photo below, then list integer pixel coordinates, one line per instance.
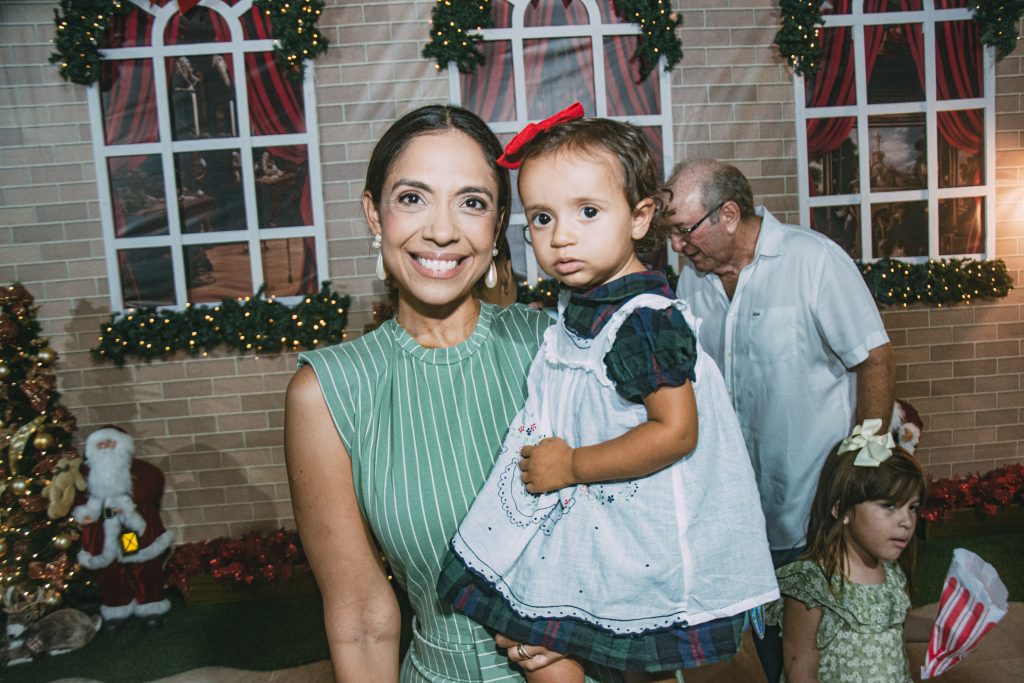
(5, 370)
(3, 547)
(46, 355)
(19, 486)
(42, 441)
(51, 598)
(62, 541)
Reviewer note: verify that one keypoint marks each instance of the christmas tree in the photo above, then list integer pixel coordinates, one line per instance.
(39, 466)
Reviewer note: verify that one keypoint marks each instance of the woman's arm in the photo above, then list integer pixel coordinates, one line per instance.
(800, 641)
(361, 613)
(669, 433)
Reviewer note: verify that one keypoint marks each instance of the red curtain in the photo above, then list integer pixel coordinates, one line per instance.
(958, 77)
(964, 129)
(835, 83)
(276, 108)
(489, 92)
(627, 94)
(548, 90)
(581, 47)
(129, 97)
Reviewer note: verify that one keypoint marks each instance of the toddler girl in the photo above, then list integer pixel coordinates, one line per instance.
(846, 600)
(611, 528)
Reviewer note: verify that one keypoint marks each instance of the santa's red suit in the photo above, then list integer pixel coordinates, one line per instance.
(123, 495)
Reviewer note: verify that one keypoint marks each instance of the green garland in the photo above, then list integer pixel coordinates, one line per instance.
(294, 24)
(997, 24)
(452, 40)
(936, 282)
(890, 282)
(253, 324)
(659, 39)
(81, 24)
(798, 42)
(797, 37)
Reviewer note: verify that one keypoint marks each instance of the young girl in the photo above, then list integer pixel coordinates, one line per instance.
(846, 600)
(611, 528)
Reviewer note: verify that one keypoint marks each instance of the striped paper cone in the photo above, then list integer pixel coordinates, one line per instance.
(973, 601)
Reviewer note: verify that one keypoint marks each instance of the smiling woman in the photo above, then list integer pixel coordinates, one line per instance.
(389, 437)
(441, 228)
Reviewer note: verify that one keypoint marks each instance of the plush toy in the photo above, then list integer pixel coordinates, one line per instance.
(32, 632)
(65, 482)
(124, 542)
(906, 425)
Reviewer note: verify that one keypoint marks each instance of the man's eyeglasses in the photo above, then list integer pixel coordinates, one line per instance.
(687, 231)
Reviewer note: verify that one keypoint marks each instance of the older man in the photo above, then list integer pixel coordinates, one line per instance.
(793, 327)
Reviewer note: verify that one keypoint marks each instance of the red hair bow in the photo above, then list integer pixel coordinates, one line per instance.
(571, 113)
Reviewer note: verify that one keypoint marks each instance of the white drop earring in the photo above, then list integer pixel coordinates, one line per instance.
(491, 279)
(382, 274)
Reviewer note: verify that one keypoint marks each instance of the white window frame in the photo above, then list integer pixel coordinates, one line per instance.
(596, 31)
(166, 147)
(927, 17)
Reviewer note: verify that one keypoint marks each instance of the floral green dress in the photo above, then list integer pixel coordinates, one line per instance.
(860, 639)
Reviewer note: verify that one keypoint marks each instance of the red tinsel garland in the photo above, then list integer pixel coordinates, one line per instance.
(247, 562)
(988, 493)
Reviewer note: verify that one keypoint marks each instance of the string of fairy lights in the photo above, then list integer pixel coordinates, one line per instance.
(454, 23)
(294, 26)
(254, 324)
(261, 325)
(799, 40)
(939, 282)
(81, 25)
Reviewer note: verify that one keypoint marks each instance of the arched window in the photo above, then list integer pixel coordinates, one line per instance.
(544, 55)
(896, 131)
(207, 159)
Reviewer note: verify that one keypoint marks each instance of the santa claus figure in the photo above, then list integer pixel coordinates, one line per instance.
(123, 540)
(906, 425)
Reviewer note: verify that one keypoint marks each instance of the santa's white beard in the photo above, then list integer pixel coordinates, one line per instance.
(110, 472)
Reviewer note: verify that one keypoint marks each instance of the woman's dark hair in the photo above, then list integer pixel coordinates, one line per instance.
(625, 142)
(438, 118)
(842, 486)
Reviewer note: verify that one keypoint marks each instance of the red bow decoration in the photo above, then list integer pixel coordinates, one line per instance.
(183, 5)
(571, 113)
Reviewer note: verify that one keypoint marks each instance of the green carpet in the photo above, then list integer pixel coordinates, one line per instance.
(269, 634)
(261, 635)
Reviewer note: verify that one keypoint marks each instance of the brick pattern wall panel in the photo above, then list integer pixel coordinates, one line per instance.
(214, 424)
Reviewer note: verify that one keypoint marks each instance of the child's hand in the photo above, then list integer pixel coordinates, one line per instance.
(547, 466)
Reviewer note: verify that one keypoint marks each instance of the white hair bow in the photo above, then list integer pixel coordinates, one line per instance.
(872, 448)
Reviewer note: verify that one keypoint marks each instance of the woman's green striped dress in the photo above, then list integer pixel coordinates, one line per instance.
(422, 427)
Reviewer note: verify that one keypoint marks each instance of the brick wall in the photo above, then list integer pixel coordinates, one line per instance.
(961, 367)
(214, 424)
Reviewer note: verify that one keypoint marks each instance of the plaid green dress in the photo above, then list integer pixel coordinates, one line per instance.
(553, 569)
(422, 427)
